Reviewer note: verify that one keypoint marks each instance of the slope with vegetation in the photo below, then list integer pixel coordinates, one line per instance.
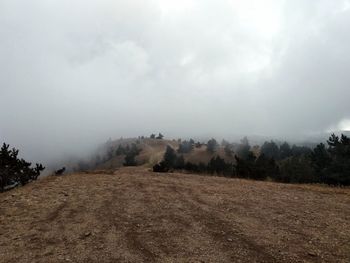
(296, 164)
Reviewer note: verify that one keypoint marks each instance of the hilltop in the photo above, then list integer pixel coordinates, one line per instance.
(134, 215)
(152, 152)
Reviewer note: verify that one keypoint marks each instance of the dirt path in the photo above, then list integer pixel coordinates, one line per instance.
(138, 216)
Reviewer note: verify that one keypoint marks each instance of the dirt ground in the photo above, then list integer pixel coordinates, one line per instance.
(135, 215)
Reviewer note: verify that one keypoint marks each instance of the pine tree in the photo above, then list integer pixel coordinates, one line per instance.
(160, 136)
(15, 171)
(212, 145)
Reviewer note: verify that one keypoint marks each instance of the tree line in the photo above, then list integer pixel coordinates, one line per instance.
(328, 164)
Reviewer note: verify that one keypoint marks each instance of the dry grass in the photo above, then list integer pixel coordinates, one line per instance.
(134, 215)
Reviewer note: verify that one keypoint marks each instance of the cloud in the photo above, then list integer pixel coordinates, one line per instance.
(76, 73)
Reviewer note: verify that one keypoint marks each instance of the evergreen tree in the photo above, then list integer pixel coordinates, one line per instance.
(285, 151)
(219, 166)
(185, 147)
(120, 150)
(131, 153)
(212, 145)
(320, 158)
(243, 148)
(297, 169)
(169, 157)
(300, 151)
(265, 167)
(179, 163)
(15, 171)
(270, 150)
(228, 150)
(160, 136)
(338, 169)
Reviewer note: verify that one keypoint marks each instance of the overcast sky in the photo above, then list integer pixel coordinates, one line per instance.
(73, 73)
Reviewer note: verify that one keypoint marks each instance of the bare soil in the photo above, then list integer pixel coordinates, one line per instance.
(133, 215)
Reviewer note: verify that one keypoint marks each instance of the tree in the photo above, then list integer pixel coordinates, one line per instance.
(300, 150)
(338, 169)
(228, 150)
(129, 159)
(169, 161)
(153, 136)
(170, 157)
(120, 150)
(15, 171)
(131, 153)
(191, 167)
(97, 160)
(320, 158)
(243, 148)
(160, 136)
(185, 147)
(219, 166)
(110, 153)
(285, 151)
(270, 150)
(224, 143)
(265, 167)
(179, 163)
(297, 169)
(242, 168)
(212, 145)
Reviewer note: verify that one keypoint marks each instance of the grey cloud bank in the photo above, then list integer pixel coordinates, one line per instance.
(74, 73)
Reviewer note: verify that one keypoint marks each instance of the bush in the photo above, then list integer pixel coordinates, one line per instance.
(160, 168)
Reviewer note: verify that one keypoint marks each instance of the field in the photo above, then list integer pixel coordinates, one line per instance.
(134, 215)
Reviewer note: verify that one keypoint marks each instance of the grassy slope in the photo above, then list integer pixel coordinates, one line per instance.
(133, 215)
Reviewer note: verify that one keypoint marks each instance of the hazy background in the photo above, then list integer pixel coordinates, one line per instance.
(74, 73)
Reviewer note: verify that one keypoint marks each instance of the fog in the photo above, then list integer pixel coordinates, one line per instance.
(74, 73)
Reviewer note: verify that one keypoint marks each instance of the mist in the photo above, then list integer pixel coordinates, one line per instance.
(73, 74)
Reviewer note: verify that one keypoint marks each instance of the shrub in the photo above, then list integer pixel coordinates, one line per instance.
(160, 168)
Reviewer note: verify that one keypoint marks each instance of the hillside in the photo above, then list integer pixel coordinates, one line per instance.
(152, 151)
(133, 215)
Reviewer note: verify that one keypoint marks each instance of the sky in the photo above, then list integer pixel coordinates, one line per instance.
(74, 73)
